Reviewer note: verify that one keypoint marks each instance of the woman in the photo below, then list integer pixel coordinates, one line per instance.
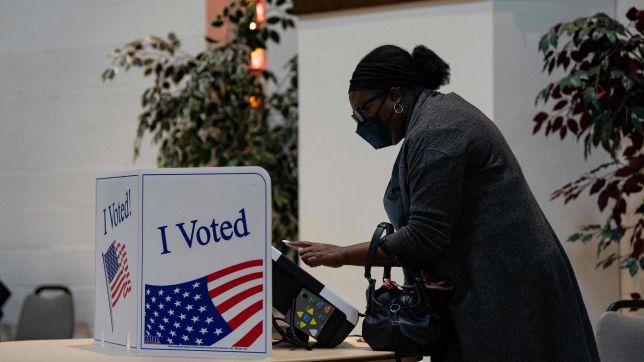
(463, 211)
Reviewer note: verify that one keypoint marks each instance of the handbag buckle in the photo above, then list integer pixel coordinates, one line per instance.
(394, 308)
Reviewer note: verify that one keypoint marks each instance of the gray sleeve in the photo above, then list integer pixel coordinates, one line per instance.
(435, 182)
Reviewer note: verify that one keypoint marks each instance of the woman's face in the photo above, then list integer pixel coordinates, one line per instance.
(378, 103)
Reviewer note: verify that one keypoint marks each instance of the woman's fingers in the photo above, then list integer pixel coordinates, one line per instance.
(297, 244)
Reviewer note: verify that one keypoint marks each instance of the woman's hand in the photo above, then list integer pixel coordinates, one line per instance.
(316, 254)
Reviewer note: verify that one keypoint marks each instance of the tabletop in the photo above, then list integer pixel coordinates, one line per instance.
(89, 350)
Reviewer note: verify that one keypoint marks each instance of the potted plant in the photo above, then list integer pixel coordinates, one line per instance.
(212, 108)
(600, 101)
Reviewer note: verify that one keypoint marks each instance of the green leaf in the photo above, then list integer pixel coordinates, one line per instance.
(554, 40)
(587, 238)
(274, 36)
(632, 270)
(612, 37)
(574, 237)
(543, 44)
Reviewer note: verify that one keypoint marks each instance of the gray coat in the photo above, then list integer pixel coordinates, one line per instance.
(469, 216)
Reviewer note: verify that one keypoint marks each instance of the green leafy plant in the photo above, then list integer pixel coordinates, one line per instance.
(212, 109)
(601, 101)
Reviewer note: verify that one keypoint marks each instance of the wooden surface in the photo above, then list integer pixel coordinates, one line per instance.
(301, 7)
(89, 350)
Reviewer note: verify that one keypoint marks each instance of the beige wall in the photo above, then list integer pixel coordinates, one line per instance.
(492, 49)
(342, 179)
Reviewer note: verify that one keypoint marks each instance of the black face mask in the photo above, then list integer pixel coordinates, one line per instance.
(376, 132)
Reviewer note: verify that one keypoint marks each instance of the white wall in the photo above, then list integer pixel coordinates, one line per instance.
(59, 126)
(342, 179)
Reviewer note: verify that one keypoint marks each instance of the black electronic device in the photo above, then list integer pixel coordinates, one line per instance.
(319, 312)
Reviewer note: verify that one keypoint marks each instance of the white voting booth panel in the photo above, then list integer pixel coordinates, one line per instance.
(183, 261)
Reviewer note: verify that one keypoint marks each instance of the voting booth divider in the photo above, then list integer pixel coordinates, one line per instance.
(183, 261)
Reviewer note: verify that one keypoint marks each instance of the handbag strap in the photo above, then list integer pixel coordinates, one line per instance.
(388, 229)
(373, 248)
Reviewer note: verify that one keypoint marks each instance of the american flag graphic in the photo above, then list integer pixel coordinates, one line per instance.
(223, 308)
(116, 271)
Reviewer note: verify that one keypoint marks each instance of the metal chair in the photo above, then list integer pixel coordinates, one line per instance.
(620, 337)
(47, 317)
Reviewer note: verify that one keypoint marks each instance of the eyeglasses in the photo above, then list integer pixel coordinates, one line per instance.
(360, 113)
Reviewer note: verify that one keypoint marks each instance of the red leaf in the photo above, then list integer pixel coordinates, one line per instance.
(637, 139)
(624, 171)
(556, 93)
(631, 14)
(573, 126)
(578, 108)
(536, 127)
(562, 132)
(597, 186)
(557, 124)
(560, 105)
(540, 117)
(599, 95)
(636, 296)
(566, 63)
(602, 201)
(584, 121)
(612, 190)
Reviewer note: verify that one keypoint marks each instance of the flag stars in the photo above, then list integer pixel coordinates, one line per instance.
(160, 305)
(149, 326)
(189, 329)
(152, 320)
(203, 331)
(195, 319)
(167, 299)
(176, 325)
(160, 291)
(189, 307)
(147, 292)
(158, 334)
(169, 341)
(198, 341)
(218, 331)
(197, 297)
(196, 284)
(177, 303)
(147, 306)
(154, 299)
(185, 338)
(173, 333)
(186, 295)
(156, 314)
(170, 312)
(161, 327)
(202, 309)
(176, 290)
(209, 320)
(165, 320)
(182, 316)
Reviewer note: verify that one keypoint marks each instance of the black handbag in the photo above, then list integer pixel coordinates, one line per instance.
(409, 320)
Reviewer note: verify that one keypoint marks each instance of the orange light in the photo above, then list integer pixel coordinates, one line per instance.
(258, 59)
(260, 11)
(255, 102)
